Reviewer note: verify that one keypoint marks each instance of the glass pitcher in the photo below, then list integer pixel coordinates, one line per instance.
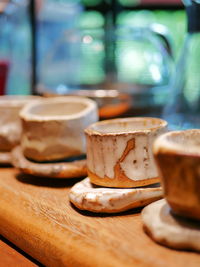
(144, 62)
(136, 61)
(183, 108)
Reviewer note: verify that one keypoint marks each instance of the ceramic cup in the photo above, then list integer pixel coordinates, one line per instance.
(119, 151)
(53, 128)
(178, 157)
(10, 125)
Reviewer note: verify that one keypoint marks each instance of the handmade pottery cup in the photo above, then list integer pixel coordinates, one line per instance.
(178, 157)
(119, 151)
(10, 125)
(53, 128)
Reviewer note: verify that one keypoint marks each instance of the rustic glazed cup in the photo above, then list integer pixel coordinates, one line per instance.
(10, 125)
(53, 129)
(178, 157)
(119, 151)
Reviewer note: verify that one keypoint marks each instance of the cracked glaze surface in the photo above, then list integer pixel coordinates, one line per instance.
(86, 196)
(124, 158)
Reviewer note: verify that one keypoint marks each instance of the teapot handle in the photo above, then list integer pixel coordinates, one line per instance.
(161, 31)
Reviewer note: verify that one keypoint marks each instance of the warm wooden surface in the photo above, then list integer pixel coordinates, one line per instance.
(12, 257)
(36, 216)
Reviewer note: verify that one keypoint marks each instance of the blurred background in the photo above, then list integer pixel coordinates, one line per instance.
(122, 52)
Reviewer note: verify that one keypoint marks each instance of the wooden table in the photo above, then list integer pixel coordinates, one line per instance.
(36, 216)
(11, 256)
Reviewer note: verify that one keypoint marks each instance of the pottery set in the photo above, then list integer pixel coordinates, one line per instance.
(126, 159)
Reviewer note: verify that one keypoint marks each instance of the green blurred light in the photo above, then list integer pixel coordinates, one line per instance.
(129, 63)
(93, 56)
(91, 2)
(129, 3)
(91, 19)
(175, 21)
(136, 18)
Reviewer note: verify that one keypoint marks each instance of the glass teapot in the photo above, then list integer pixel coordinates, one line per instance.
(143, 66)
(136, 61)
(183, 108)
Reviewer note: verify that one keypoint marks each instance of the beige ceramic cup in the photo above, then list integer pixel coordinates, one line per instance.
(53, 129)
(10, 125)
(119, 151)
(178, 157)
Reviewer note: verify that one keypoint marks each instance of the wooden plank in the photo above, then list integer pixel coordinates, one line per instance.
(35, 214)
(11, 257)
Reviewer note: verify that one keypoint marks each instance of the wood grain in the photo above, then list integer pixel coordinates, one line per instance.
(35, 214)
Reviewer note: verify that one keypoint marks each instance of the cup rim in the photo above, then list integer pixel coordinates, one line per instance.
(163, 144)
(91, 131)
(89, 106)
(17, 100)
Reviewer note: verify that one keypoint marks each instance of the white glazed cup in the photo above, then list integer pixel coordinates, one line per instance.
(10, 125)
(53, 129)
(119, 151)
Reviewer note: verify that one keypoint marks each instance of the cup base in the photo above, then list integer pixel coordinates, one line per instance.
(61, 170)
(86, 196)
(170, 230)
(185, 212)
(5, 158)
(121, 181)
